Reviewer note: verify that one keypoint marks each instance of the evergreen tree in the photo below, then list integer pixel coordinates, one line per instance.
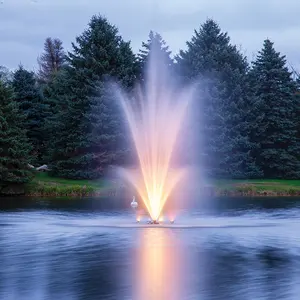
(5, 75)
(297, 113)
(14, 146)
(30, 104)
(222, 124)
(52, 60)
(154, 43)
(276, 119)
(55, 97)
(90, 132)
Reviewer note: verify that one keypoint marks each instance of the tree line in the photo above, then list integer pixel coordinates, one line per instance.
(246, 118)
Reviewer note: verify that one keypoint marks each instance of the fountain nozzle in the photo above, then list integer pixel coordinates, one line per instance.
(153, 222)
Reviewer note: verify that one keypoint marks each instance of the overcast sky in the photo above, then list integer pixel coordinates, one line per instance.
(24, 24)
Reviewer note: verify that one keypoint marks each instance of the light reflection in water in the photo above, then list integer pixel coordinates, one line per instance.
(159, 266)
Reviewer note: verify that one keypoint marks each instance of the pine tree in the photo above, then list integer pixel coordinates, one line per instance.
(5, 75)
(52, 60)
(14, 146)
(297, 113)
(154, 43)
(222, 125)
(90, 132)
(30, 103)
(55, 97)
(275, 112)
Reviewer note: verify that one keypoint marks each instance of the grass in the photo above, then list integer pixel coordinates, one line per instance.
(263, 187)
(42, 178)
(45, 185)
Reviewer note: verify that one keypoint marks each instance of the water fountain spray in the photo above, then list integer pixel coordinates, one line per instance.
(155, 114)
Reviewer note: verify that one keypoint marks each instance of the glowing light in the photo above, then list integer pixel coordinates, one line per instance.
(155, 116)
(159, 265)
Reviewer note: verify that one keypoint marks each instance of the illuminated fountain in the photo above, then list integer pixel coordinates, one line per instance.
(155, 115)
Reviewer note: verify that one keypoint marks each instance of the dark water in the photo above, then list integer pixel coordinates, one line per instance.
(57, 249)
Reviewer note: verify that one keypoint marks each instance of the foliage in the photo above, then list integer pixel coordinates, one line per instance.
(14, 146)
(5, 75)
(156, 46)
(89, 133)
(276, 119)
(28, 97)
(55, 95)
(223, 104)
(244, 122)
(52, 60)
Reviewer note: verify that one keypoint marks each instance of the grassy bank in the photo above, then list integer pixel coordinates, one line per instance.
(261, 187)
(43, 185)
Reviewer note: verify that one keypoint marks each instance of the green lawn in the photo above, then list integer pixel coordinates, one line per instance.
(262, 186)
(44, 178)
(45, 185)
(261, 181)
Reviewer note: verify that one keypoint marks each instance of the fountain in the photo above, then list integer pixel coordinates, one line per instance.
(155, 114)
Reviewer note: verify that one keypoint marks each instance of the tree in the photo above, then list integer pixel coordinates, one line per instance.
(55, 98)
(297, 112)
(276, 119)
(222, 123)
(52, 60)
(27, 95)
(5, 74)
(154, 43)
(14, 146)
(90, 132)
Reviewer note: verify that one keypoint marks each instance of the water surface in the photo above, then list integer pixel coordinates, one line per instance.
(57, 249)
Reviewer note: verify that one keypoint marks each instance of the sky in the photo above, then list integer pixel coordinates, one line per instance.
(25, 24)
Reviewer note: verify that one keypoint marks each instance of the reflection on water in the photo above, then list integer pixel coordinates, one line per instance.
(262, 273)
(57, 251)
(159, 266)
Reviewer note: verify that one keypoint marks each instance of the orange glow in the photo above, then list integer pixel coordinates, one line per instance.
(155, 117)
(154, 189)
(158, 267)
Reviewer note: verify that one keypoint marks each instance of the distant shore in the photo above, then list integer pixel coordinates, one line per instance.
(257, 188)
(45, 186)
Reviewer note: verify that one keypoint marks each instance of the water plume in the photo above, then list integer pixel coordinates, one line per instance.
(155, 114)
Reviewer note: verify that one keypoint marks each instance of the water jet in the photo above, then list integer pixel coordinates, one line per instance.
(155, 113)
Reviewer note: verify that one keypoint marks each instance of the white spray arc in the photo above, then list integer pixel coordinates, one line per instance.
(155, 113)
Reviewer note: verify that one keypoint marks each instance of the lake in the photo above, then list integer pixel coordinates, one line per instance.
(245, 248)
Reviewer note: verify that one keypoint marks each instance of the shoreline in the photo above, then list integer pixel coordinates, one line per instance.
(206, 192)
(113, 194)
(45, 186)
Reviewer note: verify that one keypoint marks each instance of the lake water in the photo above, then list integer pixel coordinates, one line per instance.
(245, 248)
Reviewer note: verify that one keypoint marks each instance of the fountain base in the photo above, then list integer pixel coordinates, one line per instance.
(153, 222)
